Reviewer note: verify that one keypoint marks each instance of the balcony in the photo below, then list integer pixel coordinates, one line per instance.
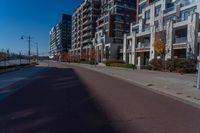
(86, 41)
(87, 28)
(188, 2)
(169, 9)
(180, 39)
(143, 45)
(146, 29)
(129, 34)
(140, 1)
(87, 34)
(86, 16)
(87, 22)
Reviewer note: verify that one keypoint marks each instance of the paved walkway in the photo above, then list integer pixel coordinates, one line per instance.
(175, 85)
(7, 80)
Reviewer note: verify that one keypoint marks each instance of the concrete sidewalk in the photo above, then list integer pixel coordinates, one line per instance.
(10, 78)
(174, 85)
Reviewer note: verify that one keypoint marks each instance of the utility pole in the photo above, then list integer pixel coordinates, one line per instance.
(20, 61)
(5, 60)
(29, 49)
(37, 53)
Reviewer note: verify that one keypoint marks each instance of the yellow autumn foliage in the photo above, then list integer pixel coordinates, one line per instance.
(159, 46)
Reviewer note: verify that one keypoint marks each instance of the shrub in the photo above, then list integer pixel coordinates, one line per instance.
(92, 62)
(182, 65)
(148, 67)
(118, 63)
(171, 65)
(123, 65)
(108, 62)
(134, 66)
(156, 64)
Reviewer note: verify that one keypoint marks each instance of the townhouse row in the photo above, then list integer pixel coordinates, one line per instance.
(177, 21)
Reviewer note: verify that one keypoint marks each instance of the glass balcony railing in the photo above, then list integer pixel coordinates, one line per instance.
(143, 45)
(188, 2)
(146, 29)
(140, 1)
(169, 9)
(180, 39)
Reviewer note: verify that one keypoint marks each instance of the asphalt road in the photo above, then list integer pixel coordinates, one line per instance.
(69, 99)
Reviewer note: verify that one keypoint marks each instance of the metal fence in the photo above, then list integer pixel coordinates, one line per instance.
(12, 62)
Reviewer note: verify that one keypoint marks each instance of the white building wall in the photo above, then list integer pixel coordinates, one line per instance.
(169, 39)
(192, 35)
(152, 39)
(124, 47)
(133, 52)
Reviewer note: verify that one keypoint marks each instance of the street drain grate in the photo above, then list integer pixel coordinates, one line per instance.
(150, 84)
(197, 98)
(194, 86)
(178, 93)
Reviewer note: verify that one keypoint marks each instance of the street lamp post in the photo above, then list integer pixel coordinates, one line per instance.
(29, 46)
(20, 58)
(37, 51)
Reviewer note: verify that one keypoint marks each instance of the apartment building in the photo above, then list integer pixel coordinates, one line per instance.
(60, 36)
(84, 27)
(176, 20)
(114, 20)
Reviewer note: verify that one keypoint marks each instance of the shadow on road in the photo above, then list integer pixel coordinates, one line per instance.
(56, 102)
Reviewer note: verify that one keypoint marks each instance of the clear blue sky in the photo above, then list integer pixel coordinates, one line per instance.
(34, 17)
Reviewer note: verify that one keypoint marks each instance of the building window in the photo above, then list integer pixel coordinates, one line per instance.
(147, 15)
(185, 14)
(141, 7)
(127, 27)
(118, 26)
(119, 10)
(156, 24)
(119, 18)
(106, 19)
(181, 35)
(118, 34)
(157, 11)
(118, 40)
(106, 26)
(135, 30)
